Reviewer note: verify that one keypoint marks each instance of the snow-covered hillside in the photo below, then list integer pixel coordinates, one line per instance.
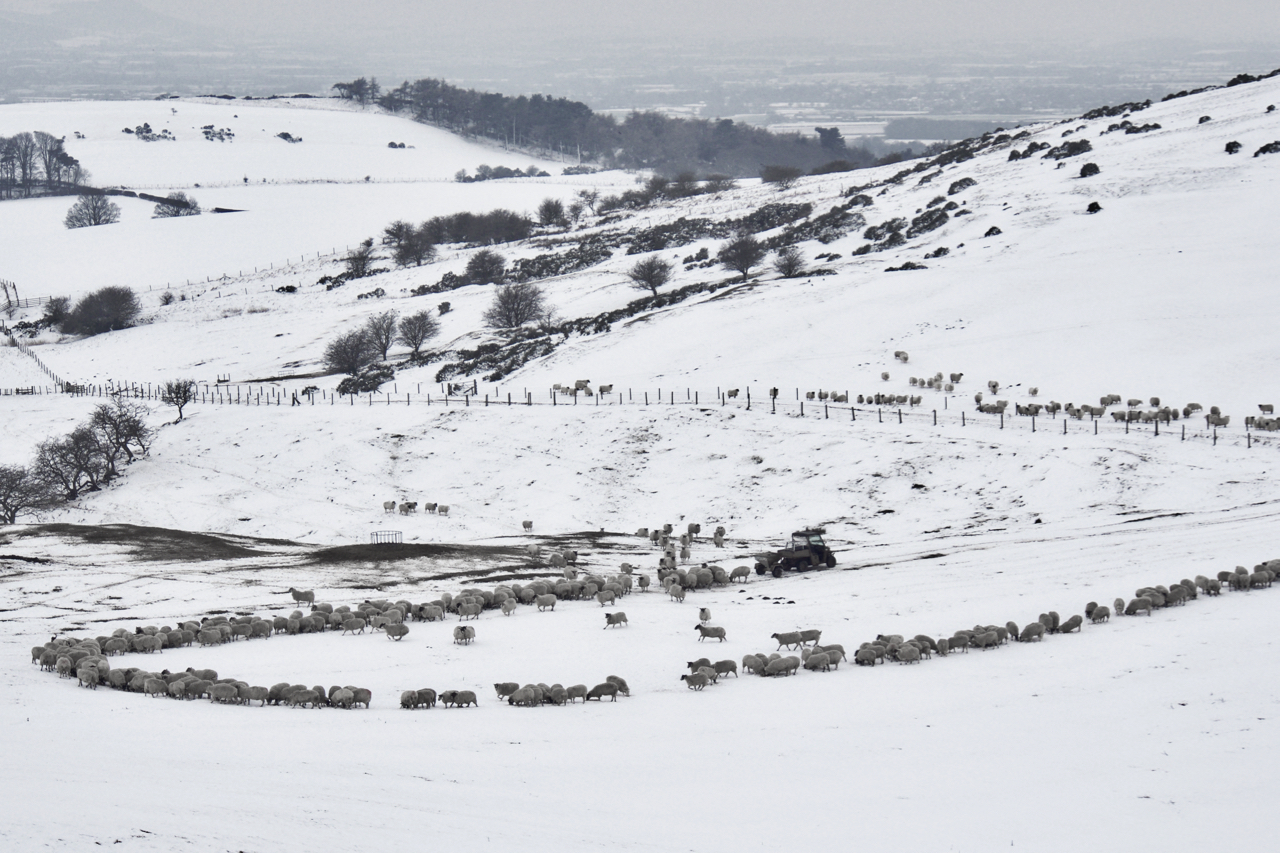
(1140, 732)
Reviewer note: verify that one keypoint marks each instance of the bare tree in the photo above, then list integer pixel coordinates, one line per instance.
(26, 161)
(123, 427)
(514, 305)
(360, 260)
(178, 392)
(415, 247)
(417, 329)
(380, 332)
(650, 274)
(104, 310)
(486, 267)
(71, 464)
(781, 176)
(176, 204)
(349, 353)
(551, 212)
(789, 262)
(742, 254)
(590, 198)
(49, 151)
(92, 209)
(21, 492)
(395, 233)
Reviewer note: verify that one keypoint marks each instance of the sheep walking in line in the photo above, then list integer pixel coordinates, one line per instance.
(790, 639)
(697, 681)
(705, 631)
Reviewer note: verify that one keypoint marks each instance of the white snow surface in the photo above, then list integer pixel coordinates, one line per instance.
(1144, 732)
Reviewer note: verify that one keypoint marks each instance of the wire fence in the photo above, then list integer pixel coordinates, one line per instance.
(472, 396)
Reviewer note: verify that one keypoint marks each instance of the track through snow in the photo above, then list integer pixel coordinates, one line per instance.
(1147, 732)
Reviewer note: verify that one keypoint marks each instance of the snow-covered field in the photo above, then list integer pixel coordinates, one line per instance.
(1141, 733)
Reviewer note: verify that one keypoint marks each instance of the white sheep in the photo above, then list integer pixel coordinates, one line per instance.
(601, 690)
(782, 666)
(508, 606)
(396, 630)
(528, 526)
(309, 596)
(612, 620)
(388, 506)
(464, 634)
(704, 615)
(705, 631)
(697, 681)
(546, 602)
(619, 682)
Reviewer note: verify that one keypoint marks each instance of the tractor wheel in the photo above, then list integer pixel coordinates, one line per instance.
(761, 568)
(777, 570)
(831, 560)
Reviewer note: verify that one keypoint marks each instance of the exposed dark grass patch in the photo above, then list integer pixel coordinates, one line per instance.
(158, 543)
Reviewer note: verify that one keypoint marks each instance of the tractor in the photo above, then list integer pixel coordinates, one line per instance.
(807, 550)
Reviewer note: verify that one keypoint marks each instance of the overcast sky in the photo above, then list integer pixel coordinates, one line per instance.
(857, 21)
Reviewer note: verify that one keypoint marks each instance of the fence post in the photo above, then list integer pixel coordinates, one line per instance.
(1184, 432)
(802, 408)
(826, 412)
(1033, 423)
(1095, 426)
(553, 398)
(646, 398)
(879, 416)
(853, 415)
(748, 399)
(1002, 420)
(962, 419)
(1064, 426)
(935, 417)
(1215, 436)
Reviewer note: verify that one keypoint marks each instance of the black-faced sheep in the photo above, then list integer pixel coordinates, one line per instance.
(705, 631)
(612, 620)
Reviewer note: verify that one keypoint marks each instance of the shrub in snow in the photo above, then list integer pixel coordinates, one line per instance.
(961, 185)
(1088, 170)
(1233, 147)
(1094, 207)
(368, 380)
(993, 231)
(1269, 148)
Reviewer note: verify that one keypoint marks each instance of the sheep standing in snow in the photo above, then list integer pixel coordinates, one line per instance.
(601, 690)
(309, 596)
(705, 631)
(612, 620)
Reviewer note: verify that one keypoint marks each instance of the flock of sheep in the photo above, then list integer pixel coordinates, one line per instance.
(87, 659)
(896, 647)
(410, 507)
